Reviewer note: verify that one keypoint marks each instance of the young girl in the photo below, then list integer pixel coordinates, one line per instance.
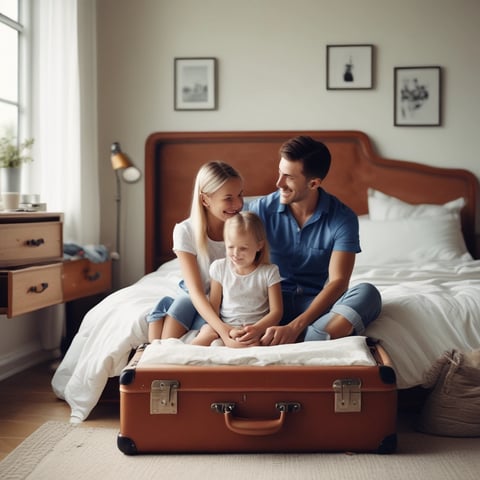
(245, 286)
(197, 241)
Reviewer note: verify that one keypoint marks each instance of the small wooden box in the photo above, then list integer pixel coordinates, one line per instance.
(82, 278)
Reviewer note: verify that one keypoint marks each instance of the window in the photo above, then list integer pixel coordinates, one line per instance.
(11, 38)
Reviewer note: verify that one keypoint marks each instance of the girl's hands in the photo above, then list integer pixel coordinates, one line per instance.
(247, 336)
(228, 341)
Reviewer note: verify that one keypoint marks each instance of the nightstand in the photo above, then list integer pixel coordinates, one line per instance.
(33, 274)
(31, 252)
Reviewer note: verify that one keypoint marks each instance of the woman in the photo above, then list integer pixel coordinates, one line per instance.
(197, 242)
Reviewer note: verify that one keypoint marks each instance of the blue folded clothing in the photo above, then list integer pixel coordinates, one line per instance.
(94, 253)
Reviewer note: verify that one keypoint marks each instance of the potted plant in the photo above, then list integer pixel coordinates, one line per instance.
(12, 156)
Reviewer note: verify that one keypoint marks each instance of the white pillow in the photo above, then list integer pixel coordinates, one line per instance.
(385, 207)
(417, 239)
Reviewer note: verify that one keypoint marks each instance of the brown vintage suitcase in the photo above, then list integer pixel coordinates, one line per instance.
(185, 408)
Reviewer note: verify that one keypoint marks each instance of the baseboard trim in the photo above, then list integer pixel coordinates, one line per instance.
(24, 357)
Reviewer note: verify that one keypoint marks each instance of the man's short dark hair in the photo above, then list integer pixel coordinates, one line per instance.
(313, 154)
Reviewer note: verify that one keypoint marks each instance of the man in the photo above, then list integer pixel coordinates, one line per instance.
(313, 239)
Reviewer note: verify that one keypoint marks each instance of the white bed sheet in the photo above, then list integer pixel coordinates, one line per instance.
(427, 309)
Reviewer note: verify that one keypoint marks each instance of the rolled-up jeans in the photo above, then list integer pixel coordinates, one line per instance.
(360, 305)
(180, 308)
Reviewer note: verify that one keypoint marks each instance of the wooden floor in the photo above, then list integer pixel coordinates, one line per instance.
(27, 402)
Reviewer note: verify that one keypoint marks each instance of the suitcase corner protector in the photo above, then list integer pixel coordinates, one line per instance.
(388, 445)
(388, 375)
(127, 376)
(126, 445)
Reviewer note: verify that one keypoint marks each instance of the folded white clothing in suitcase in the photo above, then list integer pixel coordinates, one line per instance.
(342, 351)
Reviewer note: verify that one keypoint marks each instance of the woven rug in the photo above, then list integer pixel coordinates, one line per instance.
(63, 451)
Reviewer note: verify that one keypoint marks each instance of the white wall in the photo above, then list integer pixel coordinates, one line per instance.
(271, 56)
(29, 339)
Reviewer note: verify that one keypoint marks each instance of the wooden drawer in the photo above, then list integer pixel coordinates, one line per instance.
(82, 278)
(24, 290)
(30, 239)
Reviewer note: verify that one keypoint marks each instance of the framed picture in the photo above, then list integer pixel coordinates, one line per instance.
(195, 83)
(349, 67)
(417, 96)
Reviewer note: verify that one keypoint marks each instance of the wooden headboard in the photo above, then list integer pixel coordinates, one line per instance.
(172, 160)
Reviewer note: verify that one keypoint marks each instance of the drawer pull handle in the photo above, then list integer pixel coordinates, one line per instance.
(38, 289)
(35, 242)
(92, 277)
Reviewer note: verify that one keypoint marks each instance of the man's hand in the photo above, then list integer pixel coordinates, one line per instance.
(279, 335)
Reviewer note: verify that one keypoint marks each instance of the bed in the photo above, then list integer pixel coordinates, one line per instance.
(417, 232)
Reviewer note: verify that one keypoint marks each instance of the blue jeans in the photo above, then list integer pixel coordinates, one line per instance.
(360, 305)
(180, 308)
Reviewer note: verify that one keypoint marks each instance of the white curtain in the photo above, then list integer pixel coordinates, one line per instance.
(65, 170)
(64, 125)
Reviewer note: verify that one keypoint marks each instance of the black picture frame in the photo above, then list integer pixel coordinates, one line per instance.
(350, 67)
(417, 96)
(195, 83)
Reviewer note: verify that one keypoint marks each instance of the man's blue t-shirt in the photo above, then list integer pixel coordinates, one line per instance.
(303, 254)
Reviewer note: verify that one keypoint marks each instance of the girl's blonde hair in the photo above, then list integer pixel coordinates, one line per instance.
(249, 222)
(210, 178)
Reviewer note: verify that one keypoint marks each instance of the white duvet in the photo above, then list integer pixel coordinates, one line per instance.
(427, 310)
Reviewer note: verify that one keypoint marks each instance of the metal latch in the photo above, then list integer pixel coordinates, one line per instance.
(348, 397)
(163, 397)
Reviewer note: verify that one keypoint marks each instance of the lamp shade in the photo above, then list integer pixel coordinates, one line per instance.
(120, 161)
(118, 158)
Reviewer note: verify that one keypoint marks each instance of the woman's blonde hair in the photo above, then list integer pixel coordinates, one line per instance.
(210, 178)
(249, 222)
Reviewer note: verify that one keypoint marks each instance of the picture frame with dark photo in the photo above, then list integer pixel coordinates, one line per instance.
(195, 83)
(417, 96)
(350, 67)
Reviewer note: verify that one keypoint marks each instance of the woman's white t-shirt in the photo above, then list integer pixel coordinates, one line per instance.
(184, 241)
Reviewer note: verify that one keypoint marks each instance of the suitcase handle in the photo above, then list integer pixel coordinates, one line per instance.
(245, 426)
(254, 427)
